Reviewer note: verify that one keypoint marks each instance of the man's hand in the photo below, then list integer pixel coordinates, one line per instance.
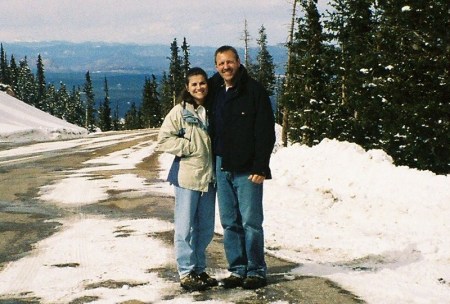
(257, 179)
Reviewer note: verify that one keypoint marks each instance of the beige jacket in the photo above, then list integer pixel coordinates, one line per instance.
(184, 135)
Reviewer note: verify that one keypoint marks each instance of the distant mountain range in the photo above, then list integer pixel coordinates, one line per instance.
(66, 57)
(124, 65)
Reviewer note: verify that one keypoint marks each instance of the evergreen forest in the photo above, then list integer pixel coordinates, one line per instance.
(372, 72)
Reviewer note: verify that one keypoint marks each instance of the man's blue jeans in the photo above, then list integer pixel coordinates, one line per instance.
(194, 228)
(241, 216)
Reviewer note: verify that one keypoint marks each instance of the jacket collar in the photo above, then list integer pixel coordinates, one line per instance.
(241, 77)
(189, 115)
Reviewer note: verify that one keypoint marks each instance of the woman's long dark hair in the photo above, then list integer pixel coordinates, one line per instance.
(184, 94)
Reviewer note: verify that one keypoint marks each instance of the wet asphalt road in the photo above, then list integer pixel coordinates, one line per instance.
(24, 221)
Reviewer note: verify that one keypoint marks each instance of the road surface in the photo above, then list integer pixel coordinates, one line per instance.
(24, 221)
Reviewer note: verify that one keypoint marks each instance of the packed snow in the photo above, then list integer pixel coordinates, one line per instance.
(380, 231)
(21, 122)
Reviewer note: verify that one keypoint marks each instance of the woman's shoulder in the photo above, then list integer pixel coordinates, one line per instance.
(175, 109)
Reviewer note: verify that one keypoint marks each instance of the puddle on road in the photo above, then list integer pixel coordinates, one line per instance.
(21, 227)
(29, 208)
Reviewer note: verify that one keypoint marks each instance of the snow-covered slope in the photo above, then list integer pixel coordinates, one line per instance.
(20, 122)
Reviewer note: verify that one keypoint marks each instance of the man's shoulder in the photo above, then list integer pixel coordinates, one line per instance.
(215, 80)
(253, 82)
(253, 85)
(247, 80)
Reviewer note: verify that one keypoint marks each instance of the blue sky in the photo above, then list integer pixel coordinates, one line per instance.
(203, 23)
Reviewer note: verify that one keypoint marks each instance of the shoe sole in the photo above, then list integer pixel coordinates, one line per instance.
(231, 286)
(192, 289)
(254, 285)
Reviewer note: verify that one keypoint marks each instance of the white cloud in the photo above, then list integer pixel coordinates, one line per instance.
(201, 22)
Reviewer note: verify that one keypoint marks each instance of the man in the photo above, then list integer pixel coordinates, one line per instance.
(242, 128)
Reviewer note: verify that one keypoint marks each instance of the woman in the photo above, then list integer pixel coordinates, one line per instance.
(184, 134)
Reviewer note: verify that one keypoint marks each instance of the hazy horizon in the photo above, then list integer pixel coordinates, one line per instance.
(203, 23)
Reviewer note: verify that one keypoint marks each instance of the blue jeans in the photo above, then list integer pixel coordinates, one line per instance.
(241, 216)
(194, 228)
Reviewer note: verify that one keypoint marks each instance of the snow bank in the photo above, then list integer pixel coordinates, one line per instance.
(351, 215)
(20, 122)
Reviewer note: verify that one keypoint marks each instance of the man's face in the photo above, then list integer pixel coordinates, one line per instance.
(227, 65)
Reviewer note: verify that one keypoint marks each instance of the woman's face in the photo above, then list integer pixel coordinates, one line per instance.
(198, 88)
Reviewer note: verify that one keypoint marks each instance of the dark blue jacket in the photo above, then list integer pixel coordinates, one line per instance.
(248, 134)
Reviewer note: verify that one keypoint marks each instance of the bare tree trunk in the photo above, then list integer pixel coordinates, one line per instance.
(285, 123)
(246, 39)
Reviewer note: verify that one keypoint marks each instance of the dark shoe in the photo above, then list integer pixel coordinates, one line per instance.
(205, 278)
(254, 282)
(192, 282)
(232, 281)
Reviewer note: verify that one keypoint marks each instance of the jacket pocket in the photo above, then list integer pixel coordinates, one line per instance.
(189, 136)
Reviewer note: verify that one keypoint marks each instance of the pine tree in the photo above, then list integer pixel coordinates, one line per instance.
(361, 109)
(173, 82)
(13, 73)
(41, 84)
(286, 98)
(116, 119)
(90, 103)
(25, 88)
(51, 100)
(62, 103)
(4, 69)
(175, 77)
(165, 93)
(307, 94)
(264, 68)
(186, 64)
(133, 118)
(413, 46)
(104, 113)
(151, 110)
(75, 112)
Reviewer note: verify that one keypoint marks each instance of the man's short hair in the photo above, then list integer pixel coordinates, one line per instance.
(225, 48)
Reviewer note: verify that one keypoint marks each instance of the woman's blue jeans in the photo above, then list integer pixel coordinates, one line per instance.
(241, 216)
(194, 228)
